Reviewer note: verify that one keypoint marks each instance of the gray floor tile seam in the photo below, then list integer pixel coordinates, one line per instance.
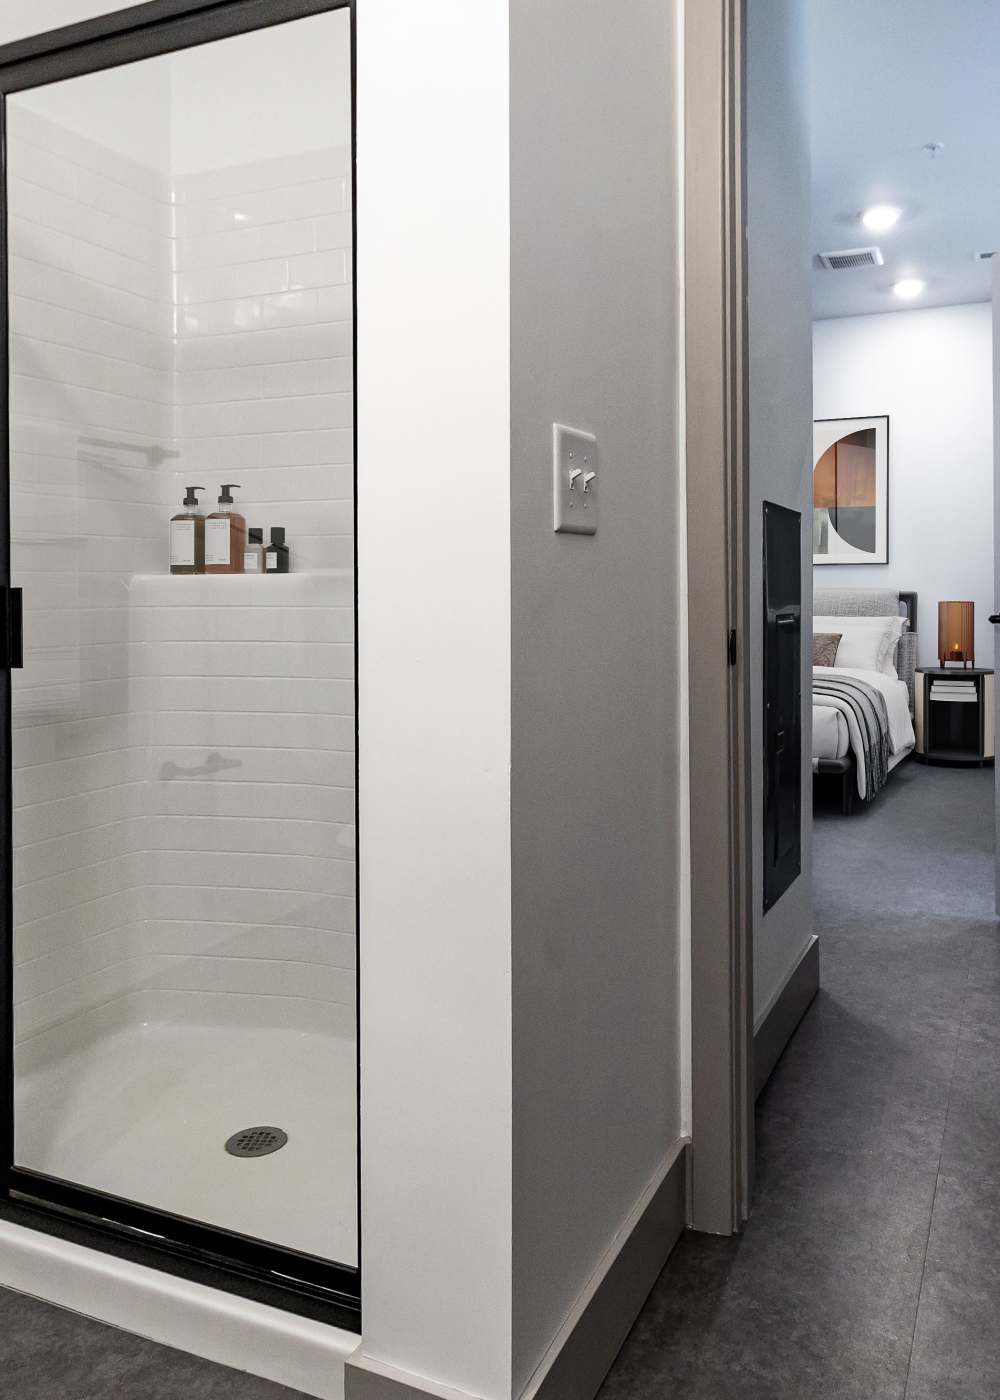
(963, 1020)
(927, 1242)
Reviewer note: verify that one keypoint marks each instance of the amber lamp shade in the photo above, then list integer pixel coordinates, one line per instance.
(956, 633)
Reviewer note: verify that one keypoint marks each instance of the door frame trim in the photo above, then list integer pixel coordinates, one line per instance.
(192, 1249)
(995, 314)
(716, 354)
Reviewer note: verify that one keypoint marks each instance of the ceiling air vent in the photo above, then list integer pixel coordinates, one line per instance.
(851, 257)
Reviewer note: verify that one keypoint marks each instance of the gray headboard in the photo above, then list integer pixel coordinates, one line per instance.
(876, 602)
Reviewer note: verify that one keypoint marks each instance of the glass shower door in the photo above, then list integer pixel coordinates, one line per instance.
(183, 765)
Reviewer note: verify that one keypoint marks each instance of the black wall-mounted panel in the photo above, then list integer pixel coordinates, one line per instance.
(782, 700)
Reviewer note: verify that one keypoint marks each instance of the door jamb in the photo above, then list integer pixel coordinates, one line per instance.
(718, 597)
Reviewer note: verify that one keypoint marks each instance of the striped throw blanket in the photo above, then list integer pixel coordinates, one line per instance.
(867, 717)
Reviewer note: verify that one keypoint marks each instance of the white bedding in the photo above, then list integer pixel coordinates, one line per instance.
(830, 739)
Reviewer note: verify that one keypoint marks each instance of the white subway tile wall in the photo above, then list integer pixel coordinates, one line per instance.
(184, 747)
(264, 371)
(244, 688)
(92, 430)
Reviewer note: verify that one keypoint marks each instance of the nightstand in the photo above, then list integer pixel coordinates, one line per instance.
(954, 716)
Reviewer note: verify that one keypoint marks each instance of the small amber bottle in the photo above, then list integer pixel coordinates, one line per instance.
(225, 535)
(187, 537)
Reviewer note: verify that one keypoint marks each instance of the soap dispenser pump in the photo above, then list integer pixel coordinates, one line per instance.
(187, 536)
(225, 535)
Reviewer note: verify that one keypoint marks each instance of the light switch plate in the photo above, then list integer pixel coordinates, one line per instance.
(574, 481)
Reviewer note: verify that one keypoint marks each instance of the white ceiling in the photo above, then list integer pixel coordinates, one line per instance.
(886, 77)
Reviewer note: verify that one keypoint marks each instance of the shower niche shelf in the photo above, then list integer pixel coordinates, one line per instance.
(327, 588)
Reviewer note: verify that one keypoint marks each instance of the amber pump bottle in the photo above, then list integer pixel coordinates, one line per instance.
(225, 535)
(187, 537)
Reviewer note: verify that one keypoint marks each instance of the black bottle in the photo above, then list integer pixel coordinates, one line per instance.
(276, 554)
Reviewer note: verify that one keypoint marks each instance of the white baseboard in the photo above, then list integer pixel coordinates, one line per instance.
(580, 1355)
(294, 1351)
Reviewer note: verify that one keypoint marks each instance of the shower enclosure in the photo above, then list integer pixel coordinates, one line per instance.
(179, 756)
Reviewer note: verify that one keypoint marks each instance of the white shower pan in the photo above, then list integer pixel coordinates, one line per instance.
(138, 1098)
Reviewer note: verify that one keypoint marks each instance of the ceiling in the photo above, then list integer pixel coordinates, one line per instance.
(886, 77)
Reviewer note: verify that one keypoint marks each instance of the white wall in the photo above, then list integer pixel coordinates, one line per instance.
(243, 109)
(91, 107)
(434, 636)
(252, 97)
(596, 641)
(520, 946)
(780, 426)
(931, 372)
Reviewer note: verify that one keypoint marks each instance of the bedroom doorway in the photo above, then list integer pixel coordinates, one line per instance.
(870, 405)
(901, 498)
(892, 1070)
(751, 330)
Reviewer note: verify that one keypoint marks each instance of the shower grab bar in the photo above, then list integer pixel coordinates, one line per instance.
(12, 629)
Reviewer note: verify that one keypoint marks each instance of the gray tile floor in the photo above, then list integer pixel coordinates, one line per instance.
(49, 1354)
(870, 1269)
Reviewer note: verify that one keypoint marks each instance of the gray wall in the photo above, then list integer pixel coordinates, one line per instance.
(780, 409)
(595, 945)
(595, 643)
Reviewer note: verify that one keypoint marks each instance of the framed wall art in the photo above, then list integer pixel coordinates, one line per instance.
(851, 490)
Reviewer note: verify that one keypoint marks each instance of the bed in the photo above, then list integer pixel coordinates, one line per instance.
(843, 703)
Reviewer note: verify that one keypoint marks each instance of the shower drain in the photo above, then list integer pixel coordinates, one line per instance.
(255, 1142)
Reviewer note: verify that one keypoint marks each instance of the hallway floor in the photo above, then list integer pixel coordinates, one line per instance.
(47, 1353)
(870, 1268)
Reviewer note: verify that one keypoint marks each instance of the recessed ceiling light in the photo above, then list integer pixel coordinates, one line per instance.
(880, 217)
(908, 287)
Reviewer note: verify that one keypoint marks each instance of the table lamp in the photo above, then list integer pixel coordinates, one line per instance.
(956, 633)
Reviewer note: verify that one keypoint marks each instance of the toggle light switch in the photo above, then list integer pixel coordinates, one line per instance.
(574, 481)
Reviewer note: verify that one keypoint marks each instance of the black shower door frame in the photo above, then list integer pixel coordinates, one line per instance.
(191, 1249)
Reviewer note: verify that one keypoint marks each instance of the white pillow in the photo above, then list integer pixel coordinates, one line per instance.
(866, 643)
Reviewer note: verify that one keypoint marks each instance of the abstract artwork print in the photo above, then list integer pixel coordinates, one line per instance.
(851, 491)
